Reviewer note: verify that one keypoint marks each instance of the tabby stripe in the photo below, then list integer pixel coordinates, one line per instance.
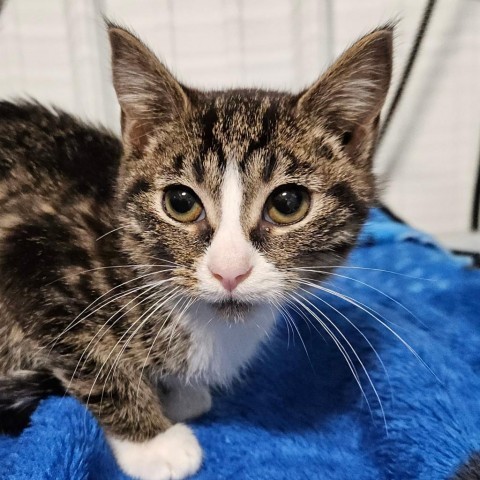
(209, 143)
(326, 152)
(141, 185)
(269, 167)
(347, 197)
(199, 168)
(178, 162)
(269, 122)
(293, 163)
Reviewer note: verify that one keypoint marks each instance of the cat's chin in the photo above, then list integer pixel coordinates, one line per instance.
(234, 310)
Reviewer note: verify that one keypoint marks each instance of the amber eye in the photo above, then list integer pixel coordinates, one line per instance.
(287, 204)
(183, 205)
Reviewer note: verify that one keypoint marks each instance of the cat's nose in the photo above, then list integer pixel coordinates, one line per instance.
(230, 278)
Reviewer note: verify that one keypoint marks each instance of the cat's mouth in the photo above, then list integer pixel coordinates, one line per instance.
(232, 307)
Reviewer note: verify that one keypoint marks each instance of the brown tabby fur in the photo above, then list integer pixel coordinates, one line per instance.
(78, 219)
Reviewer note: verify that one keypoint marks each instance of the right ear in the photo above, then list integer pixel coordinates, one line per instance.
(349, 96)
(148, 93)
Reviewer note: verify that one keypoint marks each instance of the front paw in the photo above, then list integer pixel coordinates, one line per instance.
(171, 455)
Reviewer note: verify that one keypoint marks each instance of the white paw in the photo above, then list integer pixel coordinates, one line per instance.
(186, 402)
(171, 455)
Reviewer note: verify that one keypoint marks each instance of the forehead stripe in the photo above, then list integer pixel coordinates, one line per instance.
(178, 162)
(269, 122)
(210, 142)
(198, 169)
(269, 167)
(208, 122)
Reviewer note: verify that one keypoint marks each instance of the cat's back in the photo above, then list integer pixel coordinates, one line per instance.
(57, 189)
(58, 176)
(47, 151)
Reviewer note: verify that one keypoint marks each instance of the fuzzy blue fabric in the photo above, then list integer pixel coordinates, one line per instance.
(303, 416)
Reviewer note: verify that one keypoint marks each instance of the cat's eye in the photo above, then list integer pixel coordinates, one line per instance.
(181, 204)
(287, 204)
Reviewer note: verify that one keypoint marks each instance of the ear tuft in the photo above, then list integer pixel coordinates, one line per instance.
(148, 94)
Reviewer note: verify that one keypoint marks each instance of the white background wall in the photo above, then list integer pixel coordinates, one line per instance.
(56, 52)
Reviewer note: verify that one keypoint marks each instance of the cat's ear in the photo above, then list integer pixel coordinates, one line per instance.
(349, 96)
(148, 93)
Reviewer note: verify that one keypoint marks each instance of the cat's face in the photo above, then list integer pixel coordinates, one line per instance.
(240, 190)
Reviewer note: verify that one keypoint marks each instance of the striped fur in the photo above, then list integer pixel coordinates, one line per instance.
(109, 299)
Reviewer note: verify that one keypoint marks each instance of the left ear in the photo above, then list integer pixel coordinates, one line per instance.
(148, 93)
(348, 98)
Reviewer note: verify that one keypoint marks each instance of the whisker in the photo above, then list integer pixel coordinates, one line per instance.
(369, 343)
(161, 283)
(147, 288)
(111, 231)
(309, 322)
(171, 262)
(75, 322)
(289, 320)
(267, 334)
(342, 350)
(78, 319)
(351, 366)
(167, 268)
(148, 314)
(342, 335)
(116, 345)
(314, 268)
(159, 330)
(352, 301)
(293, 303)
(307, 281)
(371, 309)
(282, 311)
(188, 303)
(303, 344)
(174, 326)
(376, 290)
(106, 323)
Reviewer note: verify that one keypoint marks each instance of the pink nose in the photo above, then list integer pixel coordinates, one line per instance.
(230, 279)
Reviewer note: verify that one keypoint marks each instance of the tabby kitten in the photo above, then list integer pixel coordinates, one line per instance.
(138, 274)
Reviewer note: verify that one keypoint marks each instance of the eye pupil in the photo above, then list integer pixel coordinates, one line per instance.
(286, 205)
(287, 202)
(182, 201)
(181, 204)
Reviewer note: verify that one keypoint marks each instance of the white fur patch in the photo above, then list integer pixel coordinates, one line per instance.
(171, 455)
(230, 254)
(220, 348)
(230, 250)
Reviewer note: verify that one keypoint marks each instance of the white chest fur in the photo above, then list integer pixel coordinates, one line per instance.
(219, 348)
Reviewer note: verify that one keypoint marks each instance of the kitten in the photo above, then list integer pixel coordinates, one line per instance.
(137, 274)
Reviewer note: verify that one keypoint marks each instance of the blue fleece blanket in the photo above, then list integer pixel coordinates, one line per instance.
(304, 416)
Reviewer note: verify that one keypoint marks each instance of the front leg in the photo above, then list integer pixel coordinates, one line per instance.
(144, 441)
